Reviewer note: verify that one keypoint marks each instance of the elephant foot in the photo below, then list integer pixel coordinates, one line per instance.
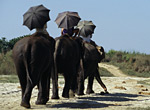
(89, 91)
(103, 93)
(80, 93)
(41, 101)
(25, 104)
(106, 92)
(55, 97)
(65, 96)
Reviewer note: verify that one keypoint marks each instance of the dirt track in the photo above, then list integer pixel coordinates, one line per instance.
(125, 92)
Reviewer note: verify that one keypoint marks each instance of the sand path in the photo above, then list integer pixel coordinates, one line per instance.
(125, 93)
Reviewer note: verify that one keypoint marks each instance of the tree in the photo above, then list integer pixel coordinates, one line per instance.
(6, 46)
(3, 45)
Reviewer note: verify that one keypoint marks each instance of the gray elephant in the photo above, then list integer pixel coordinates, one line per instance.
(67, 58)
(92, 55)
(33, 58)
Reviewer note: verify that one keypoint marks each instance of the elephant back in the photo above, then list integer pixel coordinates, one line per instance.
(67, 52)
(90, 52)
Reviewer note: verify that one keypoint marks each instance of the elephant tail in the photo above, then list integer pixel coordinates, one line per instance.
(27, 70)
(26, 57)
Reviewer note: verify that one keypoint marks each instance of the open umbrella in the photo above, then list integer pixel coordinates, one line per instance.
(36, 17)
(86, 28)
(67, 19)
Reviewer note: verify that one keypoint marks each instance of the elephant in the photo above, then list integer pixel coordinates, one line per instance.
(92, 55)
(67, 58)
(34, 61)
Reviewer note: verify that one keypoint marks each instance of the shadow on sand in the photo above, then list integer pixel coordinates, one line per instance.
(94, 101)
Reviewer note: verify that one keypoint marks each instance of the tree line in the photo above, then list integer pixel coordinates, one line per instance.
(6, 45)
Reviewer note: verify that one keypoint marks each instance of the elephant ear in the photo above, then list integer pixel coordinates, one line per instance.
(101, 51)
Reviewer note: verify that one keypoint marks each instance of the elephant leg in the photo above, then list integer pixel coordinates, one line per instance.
(43, 87)
(80, 80)
(21, 72)
(73, 86)
(73, 79)
(22, 80)
(90, 85)
(98, 78)
(80, 90)
(54, 76)
(27, 95)
(66, 89)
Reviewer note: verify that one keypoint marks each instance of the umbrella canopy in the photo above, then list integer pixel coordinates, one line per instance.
(36, 17)
(86, 28)
(67, 19)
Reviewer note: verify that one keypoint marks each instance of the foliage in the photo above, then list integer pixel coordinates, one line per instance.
(104, 72)
(8, 45)
(3, 45)
(131, 63)
(14, 40)
(9, 79)
(6, 64)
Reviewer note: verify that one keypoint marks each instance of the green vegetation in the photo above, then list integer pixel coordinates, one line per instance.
(104, 72)
(144, 82)
(6, 46)
(9, 79)
(131, 63)
(138, 108)
(6, 64)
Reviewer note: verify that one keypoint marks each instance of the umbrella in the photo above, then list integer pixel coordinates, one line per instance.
(67, 19)
(86, 28)
(36, 17)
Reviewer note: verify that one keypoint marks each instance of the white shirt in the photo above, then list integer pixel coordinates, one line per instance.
(88, 38)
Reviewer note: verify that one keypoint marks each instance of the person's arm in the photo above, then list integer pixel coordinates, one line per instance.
(62, 31)
(75, 31)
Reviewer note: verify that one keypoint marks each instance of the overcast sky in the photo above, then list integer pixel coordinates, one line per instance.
(120, 24)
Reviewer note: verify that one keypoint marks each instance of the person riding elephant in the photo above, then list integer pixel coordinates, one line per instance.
(34, 62)
(72, 32)
(99, 48)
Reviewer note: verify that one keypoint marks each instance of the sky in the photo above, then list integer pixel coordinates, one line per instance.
(122, 25)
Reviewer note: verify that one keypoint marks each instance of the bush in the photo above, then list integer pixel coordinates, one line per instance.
(6, 64)
(135, 62)
(103, 72)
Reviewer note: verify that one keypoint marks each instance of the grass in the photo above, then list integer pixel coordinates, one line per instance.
(129, 71)
(131, 63)
(145, 82)
(9, 79)
(7, 66)
(139, 108)
(104, 72)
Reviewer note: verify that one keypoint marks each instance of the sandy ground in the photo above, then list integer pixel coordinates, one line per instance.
(125, 92)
